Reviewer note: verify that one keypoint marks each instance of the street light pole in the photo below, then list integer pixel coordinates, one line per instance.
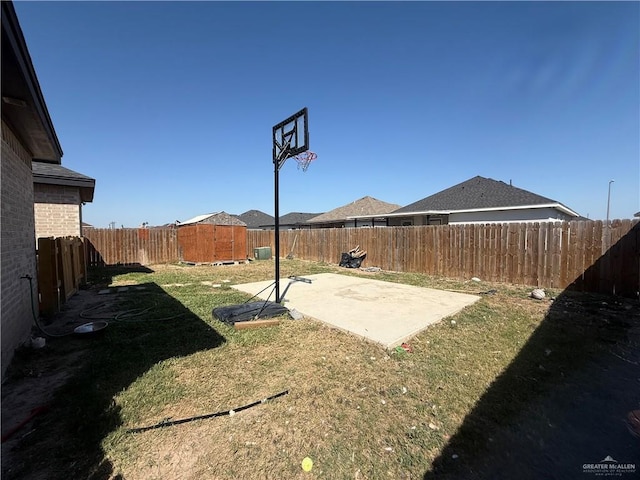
(609, 200)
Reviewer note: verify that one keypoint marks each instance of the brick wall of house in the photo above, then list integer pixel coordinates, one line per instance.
(57, 210)
(18, 257)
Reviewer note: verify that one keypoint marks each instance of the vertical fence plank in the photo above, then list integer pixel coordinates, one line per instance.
(531, 253)
(503, 252)
(590, 257)
(454, 264)
(630, 269)
(577, 251)
(555, 239)
(491, 253)
(617, 249)
(48, 276)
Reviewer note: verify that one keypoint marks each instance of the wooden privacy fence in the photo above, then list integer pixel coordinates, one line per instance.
(587, 255)
(128, 246)
(61, 271)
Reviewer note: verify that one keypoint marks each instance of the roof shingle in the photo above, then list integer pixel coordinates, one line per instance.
(477, 193)
(54, 174)
(256, 219)
(43, 170)
(363, 206)
(296, 218)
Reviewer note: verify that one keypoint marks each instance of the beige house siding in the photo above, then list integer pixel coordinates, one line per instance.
(18, 252)
(57, 211)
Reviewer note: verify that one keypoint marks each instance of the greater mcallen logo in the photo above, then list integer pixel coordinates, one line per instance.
(609, 467)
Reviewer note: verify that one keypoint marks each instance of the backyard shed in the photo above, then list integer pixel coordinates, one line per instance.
(212, 238)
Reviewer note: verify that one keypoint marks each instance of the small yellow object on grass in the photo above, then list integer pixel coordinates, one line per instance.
(307, 464)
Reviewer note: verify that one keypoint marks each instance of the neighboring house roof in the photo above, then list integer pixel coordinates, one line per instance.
(225, 218)
(366, 206)
(296, 218)
(479, 194)
(86, 225)
(256, 219)
(53, 174)
(23, 105)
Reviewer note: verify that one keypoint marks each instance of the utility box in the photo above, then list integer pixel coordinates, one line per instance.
(262, 253)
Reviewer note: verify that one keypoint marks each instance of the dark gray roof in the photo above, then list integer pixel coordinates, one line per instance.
(476, 193)
(296, 218)
(256, 219)
(48, 170)
(54, 174)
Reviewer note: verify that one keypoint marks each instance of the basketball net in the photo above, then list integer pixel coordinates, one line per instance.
(304, 159)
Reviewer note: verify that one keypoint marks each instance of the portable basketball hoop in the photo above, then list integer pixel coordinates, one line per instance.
(290, 140)
(305, 159)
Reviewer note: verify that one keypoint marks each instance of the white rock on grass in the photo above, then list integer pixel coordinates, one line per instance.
(538, 294)
(295, 314)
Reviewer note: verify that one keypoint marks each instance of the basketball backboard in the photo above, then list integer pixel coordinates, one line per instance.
(291, 137)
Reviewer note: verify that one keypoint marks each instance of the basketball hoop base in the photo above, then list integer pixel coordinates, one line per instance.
(245, 312)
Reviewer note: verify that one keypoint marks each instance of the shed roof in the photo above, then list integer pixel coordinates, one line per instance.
(207, 216)
(196, 219)
(368, 206)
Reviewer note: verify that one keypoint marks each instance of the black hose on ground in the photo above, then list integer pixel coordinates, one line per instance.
(35, 317)
(170, 423)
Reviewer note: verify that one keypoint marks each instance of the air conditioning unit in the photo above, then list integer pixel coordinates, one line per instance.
(262, 253)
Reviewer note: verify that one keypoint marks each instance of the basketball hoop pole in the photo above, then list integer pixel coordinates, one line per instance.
(276, 187)
(290, 138)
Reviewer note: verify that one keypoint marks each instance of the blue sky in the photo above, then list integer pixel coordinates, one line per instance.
(170, 105)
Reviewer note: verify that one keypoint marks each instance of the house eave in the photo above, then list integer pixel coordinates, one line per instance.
(23, 105)
(407, 214)
(69, 182)
(86, 186)
(367, 217)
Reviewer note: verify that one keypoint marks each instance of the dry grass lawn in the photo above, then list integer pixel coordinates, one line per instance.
(358, 411)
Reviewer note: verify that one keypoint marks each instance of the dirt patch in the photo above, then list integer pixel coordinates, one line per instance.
(35, 374)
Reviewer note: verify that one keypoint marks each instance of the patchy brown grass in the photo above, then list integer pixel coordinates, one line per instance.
(357, 410)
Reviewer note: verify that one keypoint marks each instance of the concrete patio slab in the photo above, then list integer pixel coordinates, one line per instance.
(383, 312)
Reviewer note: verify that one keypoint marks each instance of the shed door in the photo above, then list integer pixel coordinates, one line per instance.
(223, 240)
(230, 242)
